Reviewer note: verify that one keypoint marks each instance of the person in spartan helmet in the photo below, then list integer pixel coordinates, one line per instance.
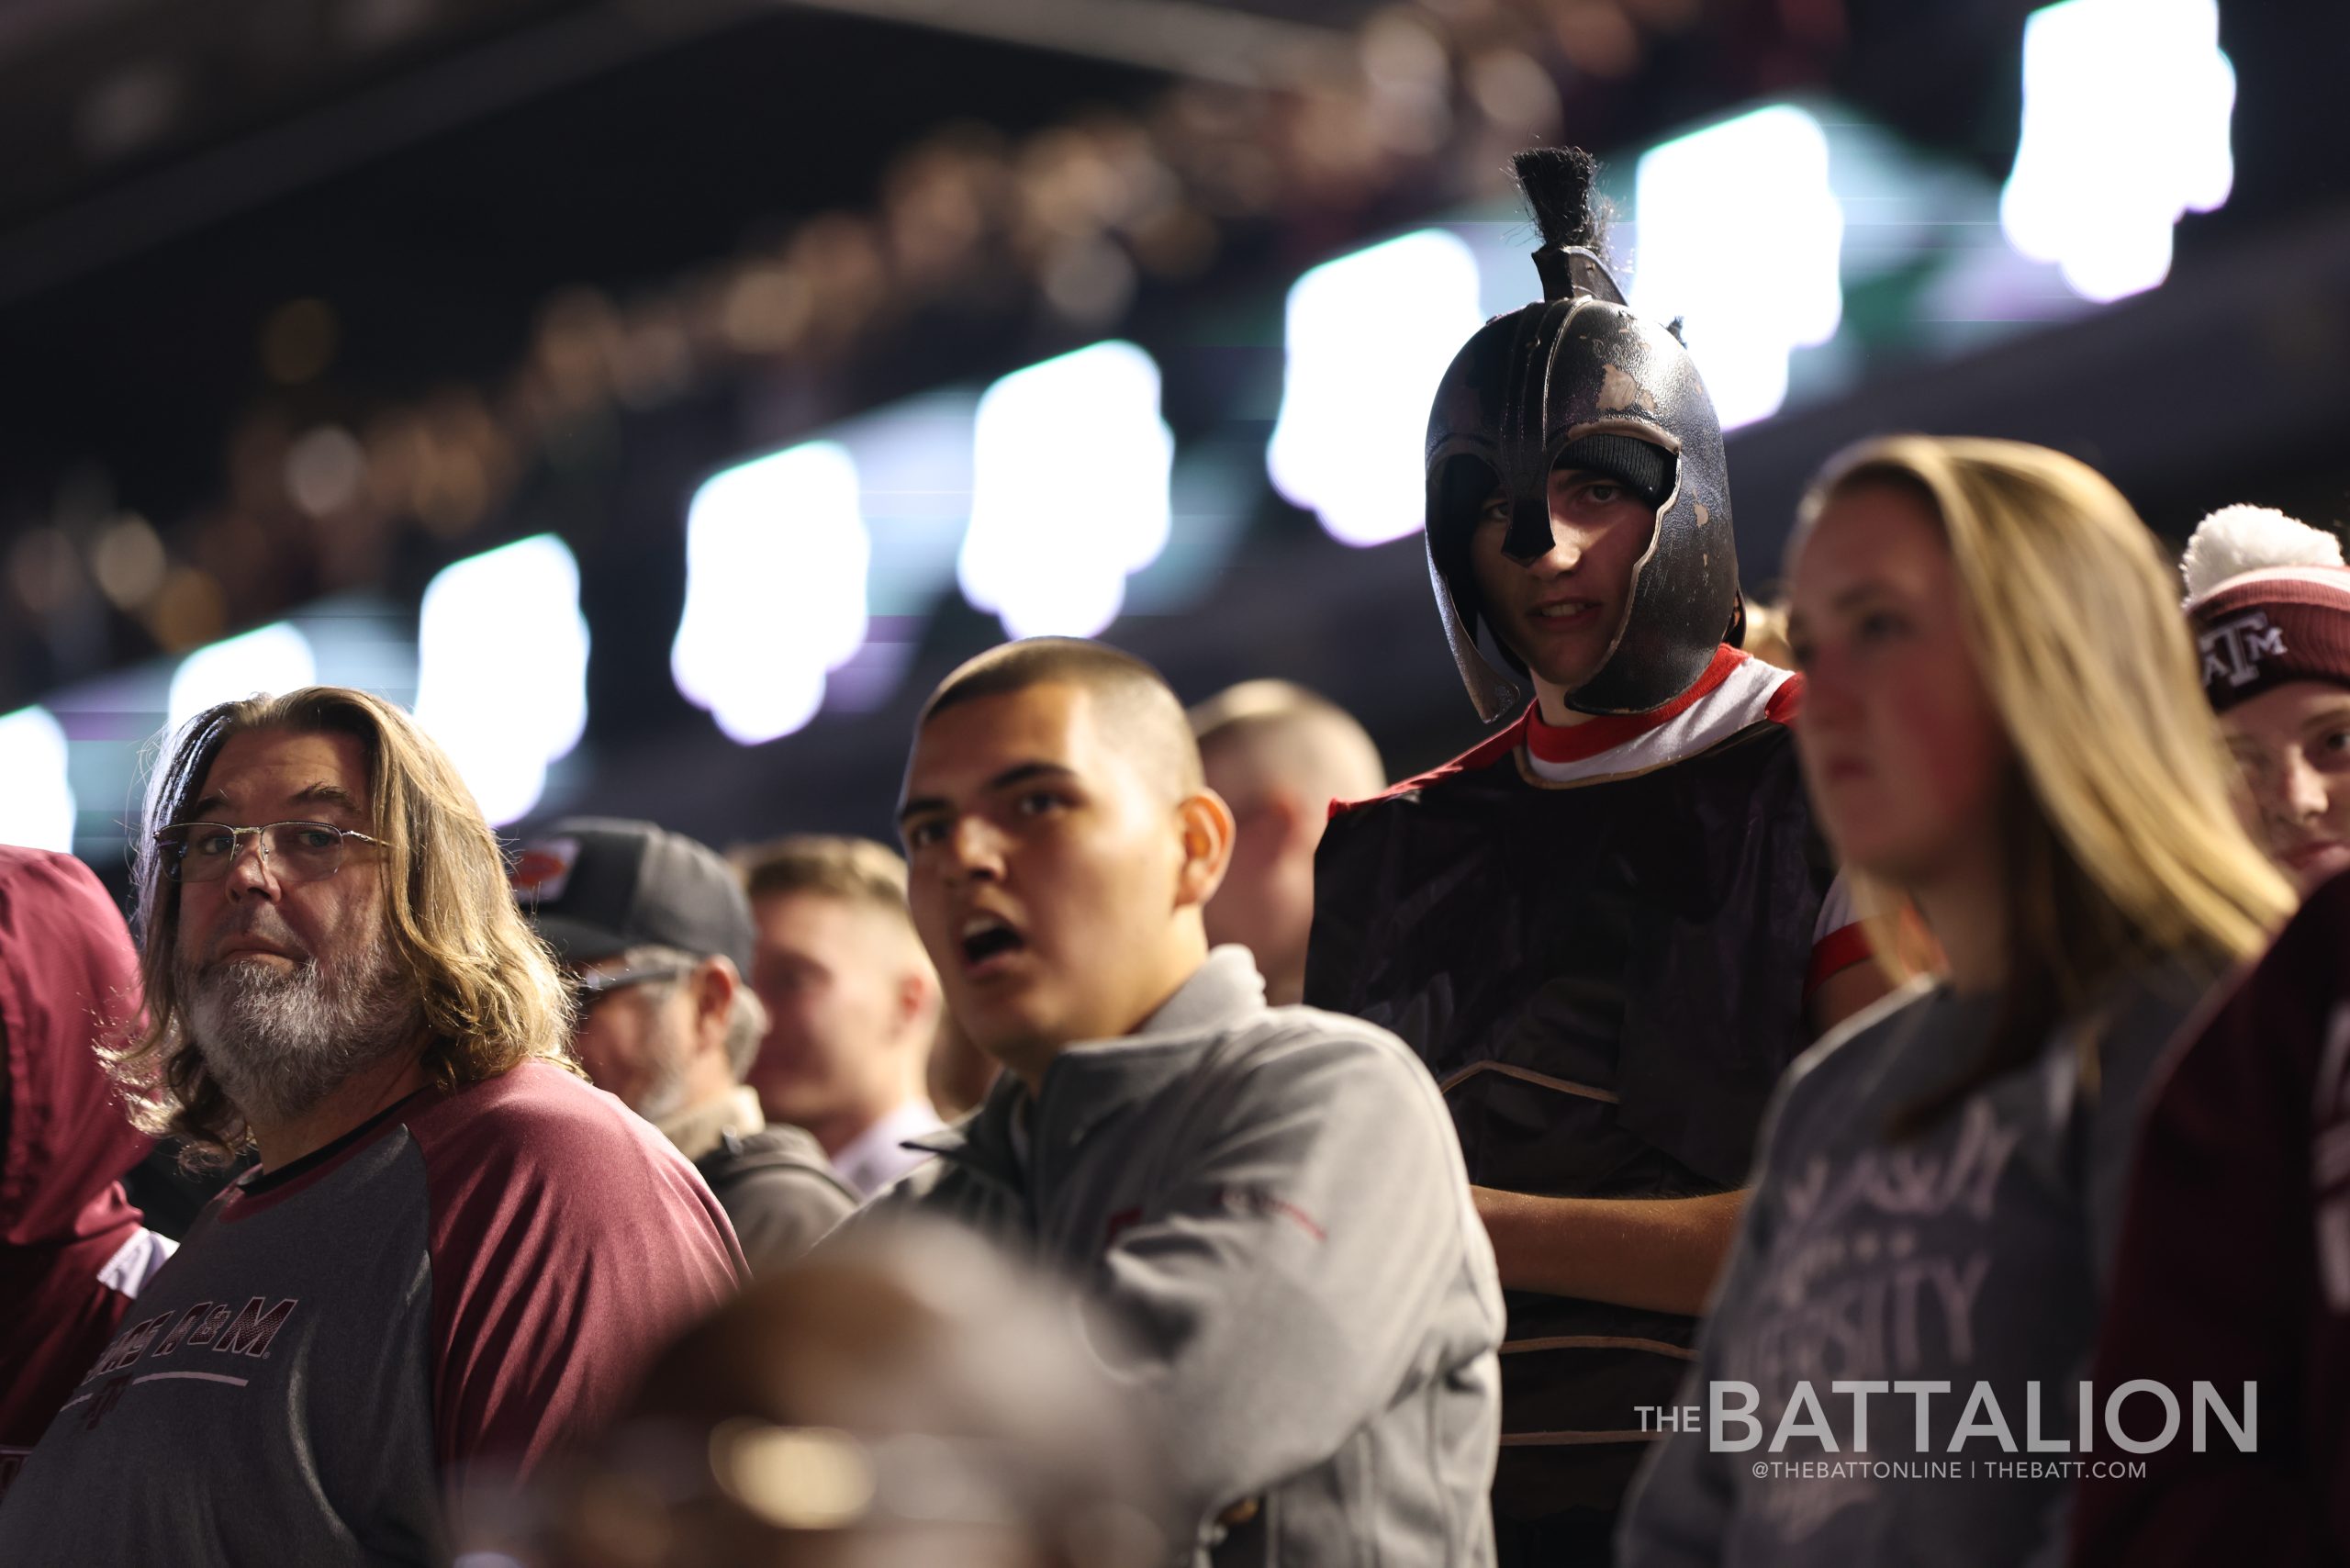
(1609, 927)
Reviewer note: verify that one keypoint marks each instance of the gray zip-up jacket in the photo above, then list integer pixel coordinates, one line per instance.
(1273, 1202)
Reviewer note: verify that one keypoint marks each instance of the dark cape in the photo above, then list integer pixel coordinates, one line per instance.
(1607, 979)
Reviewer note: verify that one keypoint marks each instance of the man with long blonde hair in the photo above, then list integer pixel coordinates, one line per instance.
(453, 1256)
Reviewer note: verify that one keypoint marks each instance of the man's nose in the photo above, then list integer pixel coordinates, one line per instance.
(1554, 552)
(250, 871)
(975, 850)
(1535, 538)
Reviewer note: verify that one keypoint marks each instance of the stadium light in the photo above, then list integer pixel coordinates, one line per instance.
(502, 670)
(276, 658)
(776, 555)
(1070, 467)
(37, 801)
(1366, 339)
(2126, 105)
(1740, 235)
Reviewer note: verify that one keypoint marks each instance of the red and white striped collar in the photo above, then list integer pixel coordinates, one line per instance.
(1735, 691)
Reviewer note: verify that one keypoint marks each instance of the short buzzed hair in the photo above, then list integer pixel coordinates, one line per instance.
(1129, 694)
(1290, 735)
(853, 870)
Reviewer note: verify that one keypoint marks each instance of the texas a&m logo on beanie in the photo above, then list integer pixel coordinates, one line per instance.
(2232, 650)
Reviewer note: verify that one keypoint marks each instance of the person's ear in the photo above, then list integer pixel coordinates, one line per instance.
(916, 1002)
(713, 983)
(1207, 829)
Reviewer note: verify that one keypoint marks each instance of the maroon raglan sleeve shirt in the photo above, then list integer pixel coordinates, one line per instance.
(465, 1285)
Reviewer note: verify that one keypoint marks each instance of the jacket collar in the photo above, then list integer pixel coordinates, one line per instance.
(1092, 1081)
(703, 1128)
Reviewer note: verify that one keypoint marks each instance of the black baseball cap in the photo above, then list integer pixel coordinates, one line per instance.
(597, 886)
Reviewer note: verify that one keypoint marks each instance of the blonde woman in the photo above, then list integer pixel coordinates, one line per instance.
(2004, 737)
(453, 1257)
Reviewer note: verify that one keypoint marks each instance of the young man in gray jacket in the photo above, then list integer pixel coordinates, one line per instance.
(1270, 1199)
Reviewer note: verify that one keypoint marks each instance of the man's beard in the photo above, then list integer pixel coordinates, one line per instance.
(665, 1094)
(279, 1043)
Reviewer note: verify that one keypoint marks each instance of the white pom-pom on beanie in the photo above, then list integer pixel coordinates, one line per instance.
(2236, 540)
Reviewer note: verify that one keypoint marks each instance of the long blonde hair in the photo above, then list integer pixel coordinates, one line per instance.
(489, 990)
(2121, 839)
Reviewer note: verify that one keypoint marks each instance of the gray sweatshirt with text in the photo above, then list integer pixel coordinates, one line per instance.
(1972, 1257)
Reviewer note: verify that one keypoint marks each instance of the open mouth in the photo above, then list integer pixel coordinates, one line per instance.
(1566, 613)
(987, 937)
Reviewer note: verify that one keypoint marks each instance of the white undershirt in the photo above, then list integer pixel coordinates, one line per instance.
(872, 1160)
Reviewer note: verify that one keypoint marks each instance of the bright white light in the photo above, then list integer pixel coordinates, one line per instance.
(502, 678)
(270, 661)
(776, 559)
(2125, 128)
(1070, 472)
(36, 801)
(1738, 235)
(1368, 338)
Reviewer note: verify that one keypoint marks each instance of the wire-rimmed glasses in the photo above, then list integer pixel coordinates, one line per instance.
(297, 851)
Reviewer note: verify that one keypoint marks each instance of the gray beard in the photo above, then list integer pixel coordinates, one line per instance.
(665, 1096)
(279, 1043)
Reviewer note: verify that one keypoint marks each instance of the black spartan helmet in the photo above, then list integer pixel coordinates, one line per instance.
(1579, 380)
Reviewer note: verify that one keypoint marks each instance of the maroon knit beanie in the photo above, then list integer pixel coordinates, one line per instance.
(2262, 628)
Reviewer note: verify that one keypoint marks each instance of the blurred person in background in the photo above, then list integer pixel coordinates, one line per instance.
(852, 1003)
(2233, 1271)
(2270, 598)
(451, 1252)
(907, 1398)
(1279, 754)
(1270, 1200)
(657, 933)
(73, 1255)
(1607, 929)
(1766, 634)
(1942, 1183)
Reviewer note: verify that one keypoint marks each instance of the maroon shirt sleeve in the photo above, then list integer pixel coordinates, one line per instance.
(569, 1244)
(2217, 1279)
(68, 981)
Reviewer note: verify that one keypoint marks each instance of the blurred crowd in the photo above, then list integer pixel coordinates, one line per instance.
(1274, 137)
(1189, 1147)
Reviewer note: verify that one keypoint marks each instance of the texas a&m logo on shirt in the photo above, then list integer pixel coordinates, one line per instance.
(208, 1326)
(213, 1325)
(2232, 650)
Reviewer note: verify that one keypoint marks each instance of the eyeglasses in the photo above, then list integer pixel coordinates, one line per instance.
(590, 989)
(299, 852)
